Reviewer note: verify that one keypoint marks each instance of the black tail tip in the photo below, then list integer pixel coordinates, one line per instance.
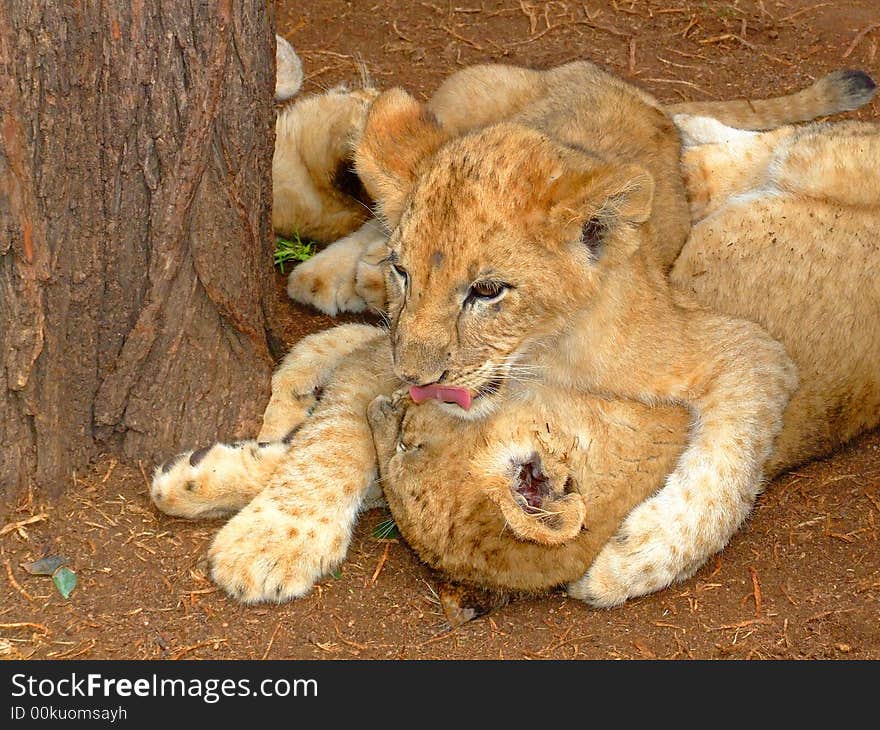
(859, 81)
(857, 87)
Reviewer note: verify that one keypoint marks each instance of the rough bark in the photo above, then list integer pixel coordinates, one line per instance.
(135, 252)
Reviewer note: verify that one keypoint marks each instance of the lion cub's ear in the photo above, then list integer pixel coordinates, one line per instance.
(600, 199)
(398, 135)
(628, 191)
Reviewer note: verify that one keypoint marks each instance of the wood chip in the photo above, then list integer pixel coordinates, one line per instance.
(756, 588)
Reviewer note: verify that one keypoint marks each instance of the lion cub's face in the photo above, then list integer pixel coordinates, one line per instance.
(499, 237)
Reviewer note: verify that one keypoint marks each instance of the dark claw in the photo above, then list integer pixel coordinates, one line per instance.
(169, 465)
(198, 455)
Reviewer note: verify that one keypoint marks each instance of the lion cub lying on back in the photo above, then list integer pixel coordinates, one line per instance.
(501, 501)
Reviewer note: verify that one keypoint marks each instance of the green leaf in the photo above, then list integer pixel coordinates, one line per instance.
(336, 573)
(65, 581)
(45, 566)
(386, 530)
(292, 249)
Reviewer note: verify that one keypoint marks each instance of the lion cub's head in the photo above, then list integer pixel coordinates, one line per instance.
(498, 238)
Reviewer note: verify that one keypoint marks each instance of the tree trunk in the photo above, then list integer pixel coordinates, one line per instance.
(136, 282)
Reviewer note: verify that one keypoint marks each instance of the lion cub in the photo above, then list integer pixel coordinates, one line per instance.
(542, 242)
(780, 235)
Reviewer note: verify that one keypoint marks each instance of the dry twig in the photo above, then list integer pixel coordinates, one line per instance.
(16, 584)
(17, 526)
(861, 34)
(187, 649)
(271, 641)
(380, 565)
(756, 587)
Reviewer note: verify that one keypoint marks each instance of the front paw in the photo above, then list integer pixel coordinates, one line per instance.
(327, 282)
(264, 554)
(384, 414)
(191, 485)
(640, 558)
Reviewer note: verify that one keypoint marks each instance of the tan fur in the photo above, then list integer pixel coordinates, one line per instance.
(288, 70)
(452, 489)
(477, 96)
(810, 283)
(313, 146)
(448, 480)
(313, 192)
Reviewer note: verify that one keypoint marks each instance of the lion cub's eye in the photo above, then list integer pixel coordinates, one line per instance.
(401, 274)
(486, 291)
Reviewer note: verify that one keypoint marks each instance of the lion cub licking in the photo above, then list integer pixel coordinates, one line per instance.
(493, 500)
(542, 242)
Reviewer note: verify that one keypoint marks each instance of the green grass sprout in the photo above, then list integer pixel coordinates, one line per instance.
(292, 250)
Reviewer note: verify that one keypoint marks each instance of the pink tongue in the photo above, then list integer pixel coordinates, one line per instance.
(461, 396)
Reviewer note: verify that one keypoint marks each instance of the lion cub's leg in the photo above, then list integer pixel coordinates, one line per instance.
(299, 527)
(223, 478)
(328, 280)
(736, 380)
(304, 371)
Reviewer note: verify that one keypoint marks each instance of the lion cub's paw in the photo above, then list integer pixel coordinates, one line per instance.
(327, 281)
(613, 578)
(385, 412)
(270, 554)
(214, 481)
(369, 277)
(385, 415)
(181, 488)
(642, 557)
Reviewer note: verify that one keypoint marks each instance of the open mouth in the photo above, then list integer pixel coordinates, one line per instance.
(462, 397)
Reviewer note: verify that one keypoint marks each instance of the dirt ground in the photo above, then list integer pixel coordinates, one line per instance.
(802, 579)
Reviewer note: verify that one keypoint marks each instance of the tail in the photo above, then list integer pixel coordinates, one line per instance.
(837, 92)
